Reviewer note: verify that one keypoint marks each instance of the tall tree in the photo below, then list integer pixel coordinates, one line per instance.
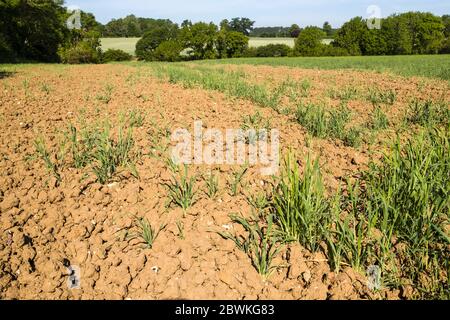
(231, 44)
(327, 29)
(243, 25)
(200, 38)
(151, 40)
(294, 30)
(33, 30)
(309, 42)
(350, 36)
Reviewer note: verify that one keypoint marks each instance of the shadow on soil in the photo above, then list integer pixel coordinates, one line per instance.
(5, 74)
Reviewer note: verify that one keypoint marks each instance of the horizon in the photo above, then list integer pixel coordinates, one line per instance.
(265, 13)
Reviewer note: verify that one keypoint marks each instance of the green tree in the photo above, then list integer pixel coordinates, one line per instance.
(231, 44)
(200, 38)
(243, 25)
(271, 32)
(82, 45)
(446, 43)
(309, 42)
(446, 23)
(327, 29)
(373, 43)
(224, 25)
(351, 35)
(32, 30)
(132, 26)
(168, 51)
(146, 46)
(396, 34)
(430, 33)
(273, 50)
(294, 31)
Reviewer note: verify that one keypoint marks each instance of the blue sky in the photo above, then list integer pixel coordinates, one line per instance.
(264, 12)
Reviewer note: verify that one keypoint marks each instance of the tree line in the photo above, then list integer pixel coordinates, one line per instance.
(406, 33)
(38, 31)
(135, 27)
(289, 32)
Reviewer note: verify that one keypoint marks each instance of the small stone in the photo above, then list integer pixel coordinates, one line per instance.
(306, 276)
(113, 185)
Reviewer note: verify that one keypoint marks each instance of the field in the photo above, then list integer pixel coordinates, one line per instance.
(433, 66)
(126, 44)
(258, 42)
(359, 208)
(129, 44)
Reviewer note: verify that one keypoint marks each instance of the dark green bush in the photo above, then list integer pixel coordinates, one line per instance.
(331, 51)
(309, 42)
(146, 46)
(80, 53)
(249, 52)
(6, 53)
(116, 55)
(445, 47)
(168, 51)
(273, 50)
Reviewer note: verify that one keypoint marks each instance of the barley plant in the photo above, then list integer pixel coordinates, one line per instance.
(212, 184)
(146, 232)
(299, 204)
(256, 126)
(345, 94)
(259, 202)
(377, 97)
(261, 243)
(313, 118)
(353, 137)
(45, 88)
(136, 118)
(236, 180)
(408, 195)
(180, 227)
(230, 83)
(44, 154)
(379, 120)
(106, 96)
(181, 189)
(328, 124)
(428, 113)
(96, 148)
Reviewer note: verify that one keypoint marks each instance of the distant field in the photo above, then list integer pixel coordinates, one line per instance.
(125, 44)
(258, 42)
(433, 66)
(129, 44)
